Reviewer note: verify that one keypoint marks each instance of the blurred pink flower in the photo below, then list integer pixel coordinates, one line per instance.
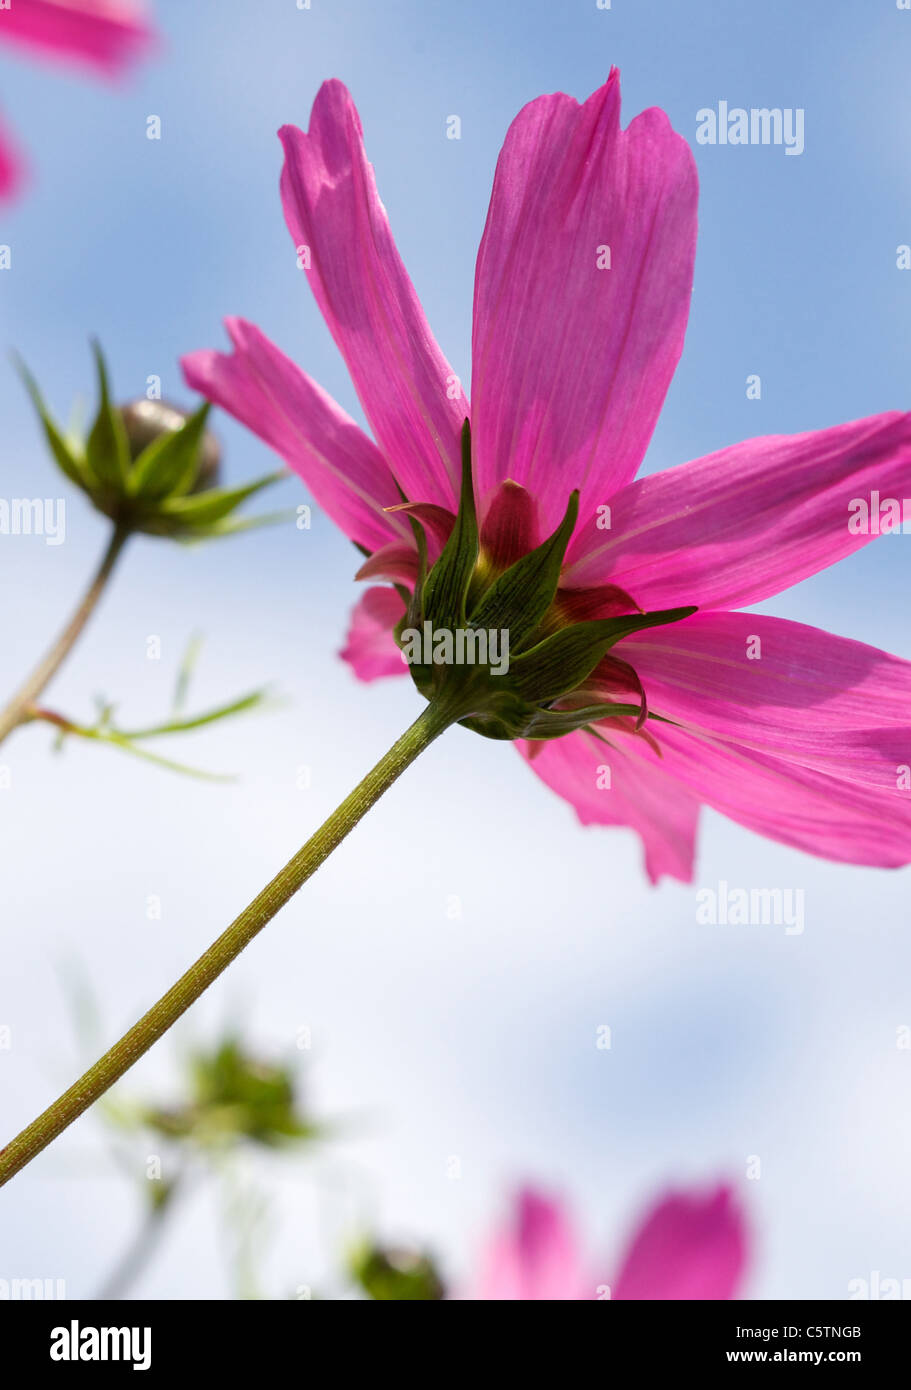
(104, 35)
(582, 293)
(689, 1246)
(10, 167)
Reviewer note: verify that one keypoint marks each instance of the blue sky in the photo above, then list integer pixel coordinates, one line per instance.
(471, 1036)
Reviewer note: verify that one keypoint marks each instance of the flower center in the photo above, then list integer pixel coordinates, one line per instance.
(489, 628)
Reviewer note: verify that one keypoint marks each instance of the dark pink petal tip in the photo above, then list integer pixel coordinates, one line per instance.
(689, 1247)
(106, 35)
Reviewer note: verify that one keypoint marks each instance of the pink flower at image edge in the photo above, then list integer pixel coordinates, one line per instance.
(573, 353)
(690, 1246)
(106, 36)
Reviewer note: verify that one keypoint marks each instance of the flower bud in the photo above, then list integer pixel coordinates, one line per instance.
(150, 466)
(145, 420)
(396, 1274)
(234, 1096)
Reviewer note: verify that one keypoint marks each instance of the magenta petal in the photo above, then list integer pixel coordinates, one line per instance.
(535, 1257)
(370, 648)
(11, 168)
(688, 1247)
(436, 521)
(267, 392)
(854, 818)
(396, 562)
(782, 688)
(804, 742)
(808, 745)
(104, 34)
(571, 363)
(410, 394)
(746, 522)
(510, 528)
(641, 794)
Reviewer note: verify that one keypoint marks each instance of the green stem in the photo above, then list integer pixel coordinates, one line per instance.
(16, 712)
(433, 720)
(140, 1251)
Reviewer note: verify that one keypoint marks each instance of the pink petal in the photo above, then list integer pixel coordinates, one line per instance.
(108, 35)
(407, 388)
(782, 688)
(11, 168)
(614, 680)
(267, 392)
(849, 821)
(571, 364)
(688, 1247)
(534, 1257)
(510, 528)
(744, 523)
(808, 744)
(436, 521)
(397, 562)
(800, 759)
(370, 648)
(602, 601)
(642, 794)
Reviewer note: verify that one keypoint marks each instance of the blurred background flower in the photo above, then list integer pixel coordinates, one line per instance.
(231, 1097)
(395, 1273)
(689, 1245)
(105, 37)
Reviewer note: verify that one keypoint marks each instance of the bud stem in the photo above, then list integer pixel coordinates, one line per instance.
(17, 711)
(432, 722)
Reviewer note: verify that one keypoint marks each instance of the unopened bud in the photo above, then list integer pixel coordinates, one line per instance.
(145, 420)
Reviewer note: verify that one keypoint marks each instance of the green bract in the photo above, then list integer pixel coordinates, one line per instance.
(149, 466)
(388, 1274)
(235, 1096)
(538, 691)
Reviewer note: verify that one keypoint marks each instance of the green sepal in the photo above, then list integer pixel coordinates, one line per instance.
(557, 722)
(151, 493)
(446, 589)
(107, 447)
(563, 661)
(71, 464)
(387, 1275)
(233, 1097)
(512, 718)
(228, 527)
(168, 467)
(522, 595)
(414, 602)
(206, 509)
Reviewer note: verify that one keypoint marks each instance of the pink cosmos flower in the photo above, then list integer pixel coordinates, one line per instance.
(689, 1246)
(582, 292)
(104, 35)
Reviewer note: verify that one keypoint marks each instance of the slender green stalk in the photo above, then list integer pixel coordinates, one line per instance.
(16, 712)
(433, 720)
(143, 1247)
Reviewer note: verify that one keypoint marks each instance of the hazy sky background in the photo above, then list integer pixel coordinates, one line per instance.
(434, 1036)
